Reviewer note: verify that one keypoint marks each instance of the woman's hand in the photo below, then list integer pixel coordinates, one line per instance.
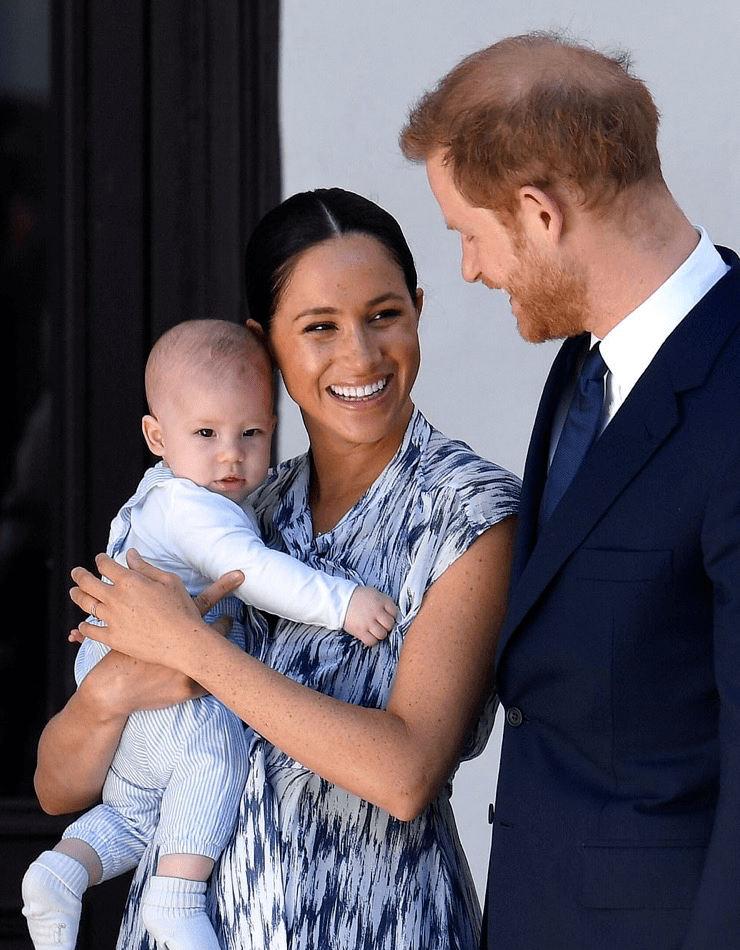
(146, 611)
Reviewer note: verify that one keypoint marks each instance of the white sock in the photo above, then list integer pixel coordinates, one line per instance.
(174, 912)
(52, 900)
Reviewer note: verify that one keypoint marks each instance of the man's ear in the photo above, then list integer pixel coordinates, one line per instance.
(153, 435)
(540, 215)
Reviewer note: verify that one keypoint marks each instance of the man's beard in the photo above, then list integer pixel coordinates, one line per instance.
(550, 301)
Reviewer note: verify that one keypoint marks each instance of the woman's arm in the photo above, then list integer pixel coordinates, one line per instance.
(397, 758)
(78, 744)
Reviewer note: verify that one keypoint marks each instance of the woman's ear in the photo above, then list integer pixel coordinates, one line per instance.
(153, 435)
(419, 301)
(256, 328)
(261, 335)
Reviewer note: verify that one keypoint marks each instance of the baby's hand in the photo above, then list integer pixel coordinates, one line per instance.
(370, 615)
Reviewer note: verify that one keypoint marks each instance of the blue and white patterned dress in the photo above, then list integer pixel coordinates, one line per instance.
(312, 867)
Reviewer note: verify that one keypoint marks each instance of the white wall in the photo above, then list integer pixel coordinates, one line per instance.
(349, 72)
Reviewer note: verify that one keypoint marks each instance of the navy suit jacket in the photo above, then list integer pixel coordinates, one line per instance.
(617, 820)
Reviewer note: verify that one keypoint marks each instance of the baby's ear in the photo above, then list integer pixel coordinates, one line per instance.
(153, 435)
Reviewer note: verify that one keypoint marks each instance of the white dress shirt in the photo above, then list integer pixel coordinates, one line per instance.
(629, 348)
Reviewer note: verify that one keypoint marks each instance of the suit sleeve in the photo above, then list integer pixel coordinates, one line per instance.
(213, 535)
(716, 918)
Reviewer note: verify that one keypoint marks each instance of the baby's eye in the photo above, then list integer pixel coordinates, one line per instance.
(206, 433)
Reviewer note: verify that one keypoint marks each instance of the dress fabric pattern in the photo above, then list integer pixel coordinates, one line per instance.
(310, 866)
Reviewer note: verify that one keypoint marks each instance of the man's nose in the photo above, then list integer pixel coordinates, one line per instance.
(469, 264)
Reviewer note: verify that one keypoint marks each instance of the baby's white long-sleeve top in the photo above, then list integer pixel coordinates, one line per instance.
(200, 535)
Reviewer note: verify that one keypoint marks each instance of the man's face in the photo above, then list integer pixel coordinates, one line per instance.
(547, 297)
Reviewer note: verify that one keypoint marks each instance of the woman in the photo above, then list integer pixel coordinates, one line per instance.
(346, 836)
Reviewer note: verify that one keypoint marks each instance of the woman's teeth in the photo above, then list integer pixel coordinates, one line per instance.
(359, 392)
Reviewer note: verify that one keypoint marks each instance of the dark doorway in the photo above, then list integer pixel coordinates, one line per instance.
(131, 179)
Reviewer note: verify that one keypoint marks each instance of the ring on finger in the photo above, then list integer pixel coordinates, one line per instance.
(93, 609)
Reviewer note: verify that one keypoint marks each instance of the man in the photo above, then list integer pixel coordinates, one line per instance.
(617, 819)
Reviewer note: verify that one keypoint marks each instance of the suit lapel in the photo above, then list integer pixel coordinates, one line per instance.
(646, 419)
(625, 447)
(535, 469)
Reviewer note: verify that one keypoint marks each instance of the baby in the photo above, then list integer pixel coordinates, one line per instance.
(180, 771)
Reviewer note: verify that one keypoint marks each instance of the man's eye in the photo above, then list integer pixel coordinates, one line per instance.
(206, 433)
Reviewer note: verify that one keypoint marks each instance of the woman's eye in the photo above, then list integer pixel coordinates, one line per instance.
(386, 314)
(206, 433)
(250, 433)
(317, 327)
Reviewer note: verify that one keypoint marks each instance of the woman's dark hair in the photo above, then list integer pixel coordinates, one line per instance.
(303, 221)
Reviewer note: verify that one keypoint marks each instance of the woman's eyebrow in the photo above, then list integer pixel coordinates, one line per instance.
(328, 311)
(315, 312)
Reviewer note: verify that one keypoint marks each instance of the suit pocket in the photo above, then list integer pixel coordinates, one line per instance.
(621, 875)
(599, 564)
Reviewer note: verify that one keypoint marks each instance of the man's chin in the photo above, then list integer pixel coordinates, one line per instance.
(535, 330)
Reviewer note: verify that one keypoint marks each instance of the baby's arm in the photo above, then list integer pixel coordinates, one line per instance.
(213, 535)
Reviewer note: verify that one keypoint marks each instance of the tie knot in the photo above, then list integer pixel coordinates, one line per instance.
(594, 367)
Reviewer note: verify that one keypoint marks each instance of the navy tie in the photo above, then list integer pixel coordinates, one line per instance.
(579, 431)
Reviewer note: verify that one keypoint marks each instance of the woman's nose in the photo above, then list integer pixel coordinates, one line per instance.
(360, 348)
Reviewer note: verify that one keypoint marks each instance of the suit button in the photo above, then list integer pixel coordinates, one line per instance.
(490, 813)
(514, 716)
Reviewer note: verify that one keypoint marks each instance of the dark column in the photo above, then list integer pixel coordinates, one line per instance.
(162, 152)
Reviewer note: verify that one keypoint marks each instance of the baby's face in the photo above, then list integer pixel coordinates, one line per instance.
(218, 434)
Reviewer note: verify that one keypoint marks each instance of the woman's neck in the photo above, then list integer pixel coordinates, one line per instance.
(341, 473)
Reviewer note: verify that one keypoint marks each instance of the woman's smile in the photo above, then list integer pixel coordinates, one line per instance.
(360, 393)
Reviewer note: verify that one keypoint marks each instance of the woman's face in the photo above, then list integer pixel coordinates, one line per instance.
(345, 338)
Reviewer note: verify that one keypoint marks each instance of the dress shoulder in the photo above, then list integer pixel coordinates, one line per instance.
(461, 467)
(459, 496)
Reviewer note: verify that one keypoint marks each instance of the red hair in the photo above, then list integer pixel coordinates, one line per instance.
(538, 110)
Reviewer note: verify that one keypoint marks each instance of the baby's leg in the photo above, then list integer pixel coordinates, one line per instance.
(197, 817)
(174, 906)
(100, 844)
(52, 893)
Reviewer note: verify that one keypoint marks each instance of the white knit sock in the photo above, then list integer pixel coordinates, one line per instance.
(174, 912)
(52, 900)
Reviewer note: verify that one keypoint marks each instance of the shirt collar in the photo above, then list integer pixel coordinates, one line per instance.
(631, 345)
